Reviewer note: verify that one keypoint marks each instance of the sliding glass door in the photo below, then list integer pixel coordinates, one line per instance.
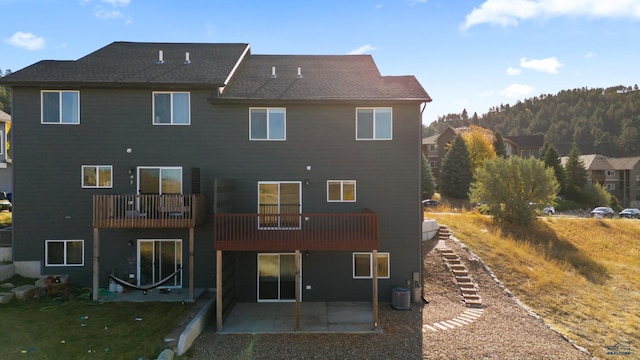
(279, 204)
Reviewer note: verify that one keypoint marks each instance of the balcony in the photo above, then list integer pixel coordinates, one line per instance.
(294, 231)
(148, 211)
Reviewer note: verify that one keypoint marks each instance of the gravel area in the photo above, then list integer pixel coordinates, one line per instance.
(503, 331)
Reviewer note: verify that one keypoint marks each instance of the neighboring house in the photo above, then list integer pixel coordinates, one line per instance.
(620, 176)
(524, 145)
(435, 147)
(268, 177)
(6, 170)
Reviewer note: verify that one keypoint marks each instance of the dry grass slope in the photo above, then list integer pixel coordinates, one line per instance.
(581, 275)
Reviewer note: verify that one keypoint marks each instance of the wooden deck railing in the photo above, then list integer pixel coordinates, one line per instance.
(286, 232)
(148, 211)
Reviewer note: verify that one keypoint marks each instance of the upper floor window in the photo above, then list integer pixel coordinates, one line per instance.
(60, 107)
(267, 124)
(433, 164)
(433, 147)
(341, 191)
(611, 173)
(64, 252)
(373, 124)
(171, 108)
(611, 186)
(97, 176)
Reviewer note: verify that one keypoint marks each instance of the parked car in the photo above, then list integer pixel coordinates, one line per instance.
(630, 213)
(430, 203)
(602, 211)
(549, 210)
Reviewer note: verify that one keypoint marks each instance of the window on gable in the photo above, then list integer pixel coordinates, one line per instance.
(363, 266)
(97, 176)
(611, 173)
(64, 252)
(171, 108)
(60, 107)
(341, 191)
(373, 124)
(267, 124)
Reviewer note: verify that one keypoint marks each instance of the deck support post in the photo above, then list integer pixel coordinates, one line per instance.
(218, 290)
(297, 289)
(96, 262)
(191, 266)
(374, 261)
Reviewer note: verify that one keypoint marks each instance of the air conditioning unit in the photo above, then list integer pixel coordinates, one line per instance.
(401, 299)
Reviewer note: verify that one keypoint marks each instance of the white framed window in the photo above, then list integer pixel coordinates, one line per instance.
(363, 266)
(433, 164)
(611, 186)
(341, 190)
(2, 143)
(611, 173)
(97, 176)
(171, 108)
(433, 147)
(64, 252)
(60, 107)
(374, 123)
(268, 124)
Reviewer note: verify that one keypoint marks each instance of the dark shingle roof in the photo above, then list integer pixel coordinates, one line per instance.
(323, 77)
(136, 63)
(527, 141)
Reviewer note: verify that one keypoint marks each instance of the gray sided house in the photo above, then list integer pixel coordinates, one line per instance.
(268, 177)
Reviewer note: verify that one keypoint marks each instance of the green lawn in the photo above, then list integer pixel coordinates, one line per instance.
(81, 328)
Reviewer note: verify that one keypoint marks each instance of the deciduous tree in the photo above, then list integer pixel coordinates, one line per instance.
(509, 187)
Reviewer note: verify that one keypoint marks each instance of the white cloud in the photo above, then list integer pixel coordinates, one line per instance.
(103, 14)
(26, 41)
(513, 72)
(117, 3)
(548, 65)
(590, 55)
(515, 91)
(510, 12)
(362, 50)
(111, 10)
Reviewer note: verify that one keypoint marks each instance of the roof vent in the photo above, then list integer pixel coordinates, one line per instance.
(186, 58)
(160, 60)
(273, 72)
(299, 73)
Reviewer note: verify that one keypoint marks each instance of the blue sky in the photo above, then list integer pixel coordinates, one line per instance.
(468, 54)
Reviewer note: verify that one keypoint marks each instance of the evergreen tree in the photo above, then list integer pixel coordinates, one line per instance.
(456, 175)
(498, 145)
(428, 181)
(552, 159)
(576, 175)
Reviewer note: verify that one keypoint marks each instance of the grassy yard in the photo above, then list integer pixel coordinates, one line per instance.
(581, 275)
(83, 329)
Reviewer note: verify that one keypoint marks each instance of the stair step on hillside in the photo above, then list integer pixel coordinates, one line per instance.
(471, 297)
(453, 261)
(458, 273)
(458, 267)
(450, 256)
(473, 303)
(464, 280)
(468, 290)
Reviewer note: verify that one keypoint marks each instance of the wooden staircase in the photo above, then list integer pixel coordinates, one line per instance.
(468, 288)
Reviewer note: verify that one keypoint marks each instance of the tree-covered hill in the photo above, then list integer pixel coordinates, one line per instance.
(602, 121)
